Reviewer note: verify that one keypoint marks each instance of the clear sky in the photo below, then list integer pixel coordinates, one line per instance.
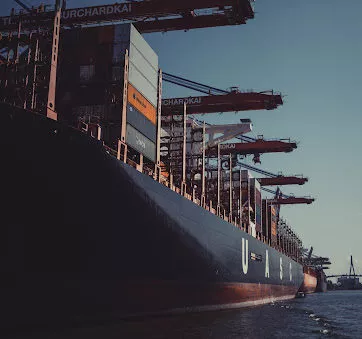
(310, 51)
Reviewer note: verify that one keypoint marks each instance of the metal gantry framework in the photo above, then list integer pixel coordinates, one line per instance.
(29, 38)
(225, 184)
(217, 181)
(28, 65)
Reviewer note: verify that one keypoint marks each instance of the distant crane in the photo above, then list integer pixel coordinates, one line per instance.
(348, 281)
(351, 268)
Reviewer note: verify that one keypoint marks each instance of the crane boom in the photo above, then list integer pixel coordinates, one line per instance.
(154, 15)
(291, 201)
(231, 102)
(282, 180)
(258, 146)
(217, 100)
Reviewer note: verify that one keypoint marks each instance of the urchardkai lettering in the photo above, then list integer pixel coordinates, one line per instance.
(96, 11)
(245, 255)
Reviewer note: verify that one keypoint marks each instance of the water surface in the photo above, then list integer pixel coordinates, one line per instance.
(335, 314)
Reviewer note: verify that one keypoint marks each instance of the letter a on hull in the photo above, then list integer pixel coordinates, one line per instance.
(245, 255)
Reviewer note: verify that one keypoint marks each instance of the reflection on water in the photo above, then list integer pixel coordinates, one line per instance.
(336, 314)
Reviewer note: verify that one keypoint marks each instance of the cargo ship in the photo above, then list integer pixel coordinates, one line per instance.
(315, 278)
(321, 281)
(111, 211)
(87, 235)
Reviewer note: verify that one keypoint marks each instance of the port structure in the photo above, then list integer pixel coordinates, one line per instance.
(30, 38)
(318, 262)
(28, 81)
(352, 273)
(217, 100)
(223, 158)
(148, 16)
(348, 281)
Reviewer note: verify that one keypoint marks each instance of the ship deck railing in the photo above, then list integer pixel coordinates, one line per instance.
(149, 170)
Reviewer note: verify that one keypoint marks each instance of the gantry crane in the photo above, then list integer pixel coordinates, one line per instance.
(283, 199)
(273, 179)
(147, 16)
(247, 146)
(282, 180)
(252, 146)
(217, 100)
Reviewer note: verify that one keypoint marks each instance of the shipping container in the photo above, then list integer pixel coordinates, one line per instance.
(93, 61)
(141, 123)
(140, 143)
(269, 222)
(255, 201)
(137, 100)
(143, 66)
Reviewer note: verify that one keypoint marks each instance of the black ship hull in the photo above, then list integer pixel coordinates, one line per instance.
(85, 237)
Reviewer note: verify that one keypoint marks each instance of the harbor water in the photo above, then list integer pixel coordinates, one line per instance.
(335, 314)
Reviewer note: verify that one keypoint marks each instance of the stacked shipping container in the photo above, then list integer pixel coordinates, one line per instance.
(99, 73)
(269, 222)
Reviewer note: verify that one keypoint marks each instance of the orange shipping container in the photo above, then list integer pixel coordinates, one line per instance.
(136, 99)
(273, 221)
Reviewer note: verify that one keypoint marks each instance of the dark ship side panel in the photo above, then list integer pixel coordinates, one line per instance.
(84, 235)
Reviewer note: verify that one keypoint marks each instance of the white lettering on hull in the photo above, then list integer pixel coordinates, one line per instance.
(290, 272)
(245, 255)
(281, 268)
(266, 264)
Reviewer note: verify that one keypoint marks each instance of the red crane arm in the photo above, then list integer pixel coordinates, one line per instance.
(258, 146)
(288, 180)
(133, 11)
(290, 201)
(223, 103)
